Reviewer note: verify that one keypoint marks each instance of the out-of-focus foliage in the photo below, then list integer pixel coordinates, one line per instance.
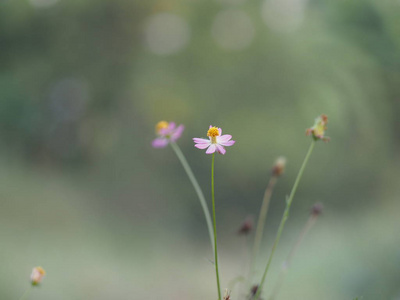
(83, 194)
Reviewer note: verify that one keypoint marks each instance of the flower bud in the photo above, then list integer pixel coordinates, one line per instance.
(279, 166)
(319, 128)
(37, 275)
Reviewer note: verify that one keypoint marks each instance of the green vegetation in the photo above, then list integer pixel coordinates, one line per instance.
(84, 195)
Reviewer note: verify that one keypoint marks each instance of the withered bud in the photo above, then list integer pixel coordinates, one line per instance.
(279, 167)
(246, 226)
(253, 292)
(227, 295)
(316, 209)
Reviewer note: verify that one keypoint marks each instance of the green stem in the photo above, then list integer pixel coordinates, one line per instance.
(215, 226)
(197, 188)
(285, 217)
(261, 221)
(247, 260)
(25, 295)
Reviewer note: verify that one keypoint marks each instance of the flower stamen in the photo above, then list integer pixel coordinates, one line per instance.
(161, 125)
(213, 132)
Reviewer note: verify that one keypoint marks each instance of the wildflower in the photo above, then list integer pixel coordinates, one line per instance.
(37, 275)
(279, 166)
(216, 141)
(246, 227)
(318, 130)
(227, 295)
(316, 209)
(167, 132)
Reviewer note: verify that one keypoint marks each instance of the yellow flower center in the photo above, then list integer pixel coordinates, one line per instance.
(41, 270)
(320, 126)
(319, 130)
(161, 125)
(213, 132)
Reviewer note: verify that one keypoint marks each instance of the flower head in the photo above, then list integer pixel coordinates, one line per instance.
(318, 130)
(37, 275)
(216, 141)
(167, 132)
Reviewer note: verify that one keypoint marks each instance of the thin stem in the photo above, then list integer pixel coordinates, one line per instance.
(285, 217)
(197, 188)
(26, 293)
(246, 261)
(261, 221)
(310, 222)
(215, 226)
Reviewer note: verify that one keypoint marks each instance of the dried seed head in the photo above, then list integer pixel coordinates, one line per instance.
(279, 166)
(227, 295)
(253, 292)
(316, 209)
(246, 227)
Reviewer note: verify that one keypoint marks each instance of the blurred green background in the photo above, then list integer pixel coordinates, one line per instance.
(83, 194)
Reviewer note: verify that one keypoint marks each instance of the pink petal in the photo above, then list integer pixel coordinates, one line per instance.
(211, 149)
(221, 149)
(171, 126)
(169, 130)
(177, 133)
(159, 143)
(202, 146)
(220, 131)
(210, 127)
(164, 131)
(224, 138)
(201, 141)
(227, 143)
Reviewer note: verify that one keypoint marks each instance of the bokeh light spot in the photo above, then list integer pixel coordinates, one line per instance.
(166, 33)
(283, 15)
(233, 30)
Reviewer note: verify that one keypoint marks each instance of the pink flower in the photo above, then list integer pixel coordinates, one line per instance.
(216, 141)
(167, 132)
(37, 275)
